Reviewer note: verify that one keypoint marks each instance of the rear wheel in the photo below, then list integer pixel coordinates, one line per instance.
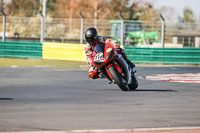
(118, 79)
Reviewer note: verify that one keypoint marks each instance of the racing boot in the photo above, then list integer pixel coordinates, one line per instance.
(122, 52)
(131, 65)
(127, 60)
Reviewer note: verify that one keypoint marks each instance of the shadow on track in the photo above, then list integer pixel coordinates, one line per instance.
(4, 99)
(155, 90)
(140, 90)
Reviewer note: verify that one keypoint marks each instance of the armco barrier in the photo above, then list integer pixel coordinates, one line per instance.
(163, 55)
(75, 52)
(63, 51)
(21, 49)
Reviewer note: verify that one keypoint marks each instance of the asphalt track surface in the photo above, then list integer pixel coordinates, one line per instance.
(59, 99)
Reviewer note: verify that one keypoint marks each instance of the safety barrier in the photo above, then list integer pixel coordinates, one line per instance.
(21, 49)
(75, 52)
(163, 55)
(63, 51)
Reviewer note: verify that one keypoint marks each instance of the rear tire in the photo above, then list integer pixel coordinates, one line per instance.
(116, 76)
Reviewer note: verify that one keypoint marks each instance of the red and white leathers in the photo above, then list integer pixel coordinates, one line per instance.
(93, 72)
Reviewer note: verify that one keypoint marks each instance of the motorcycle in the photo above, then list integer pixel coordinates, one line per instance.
(113, 67)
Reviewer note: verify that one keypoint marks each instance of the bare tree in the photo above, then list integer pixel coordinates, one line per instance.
(25, 8)
(2, 4)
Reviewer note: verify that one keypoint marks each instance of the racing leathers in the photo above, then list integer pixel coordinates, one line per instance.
(93, 72)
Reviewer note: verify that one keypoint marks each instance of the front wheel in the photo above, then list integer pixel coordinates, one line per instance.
(133, 86)
(118, 79)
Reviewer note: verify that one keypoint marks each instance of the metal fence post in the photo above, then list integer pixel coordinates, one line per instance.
(163, 31)
(82, 27)
(4, 25)
(43, 27)
(122, 29)
(41, 32)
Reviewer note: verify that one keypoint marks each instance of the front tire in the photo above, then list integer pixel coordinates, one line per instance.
(118, 79)
(133, 86)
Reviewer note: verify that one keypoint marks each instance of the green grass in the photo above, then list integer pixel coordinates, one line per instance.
(8, 62)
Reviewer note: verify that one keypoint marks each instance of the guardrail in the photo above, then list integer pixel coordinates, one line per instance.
(46, 50)
(63, 51)
(75, 52)
(21, 49)
(163, 55)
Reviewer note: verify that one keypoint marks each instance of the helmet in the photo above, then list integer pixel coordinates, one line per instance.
(91, 35)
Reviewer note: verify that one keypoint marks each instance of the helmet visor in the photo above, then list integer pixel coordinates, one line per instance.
(91, 40)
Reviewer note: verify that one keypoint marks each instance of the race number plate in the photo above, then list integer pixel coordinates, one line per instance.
(99, 56)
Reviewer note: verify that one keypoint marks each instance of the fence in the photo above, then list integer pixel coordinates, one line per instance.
(68, 30)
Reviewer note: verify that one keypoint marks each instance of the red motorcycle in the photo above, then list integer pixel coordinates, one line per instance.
(113, 66)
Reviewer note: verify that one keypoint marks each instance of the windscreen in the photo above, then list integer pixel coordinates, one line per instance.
(99, 48)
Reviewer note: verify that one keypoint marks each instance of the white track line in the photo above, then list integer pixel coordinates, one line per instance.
(111, 130)
(129, 130)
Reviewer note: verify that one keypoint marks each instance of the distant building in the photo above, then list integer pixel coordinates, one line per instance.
(187, 38)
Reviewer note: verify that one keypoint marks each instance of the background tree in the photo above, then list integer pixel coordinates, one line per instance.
(71, 8)
(62, 8)
(91, 9)
(188, 20)
(146, 12)
(25, 8)
(117, 6)
(2, 4)
(133, 11)
(50, 9)
(188, 16)
(137, 10)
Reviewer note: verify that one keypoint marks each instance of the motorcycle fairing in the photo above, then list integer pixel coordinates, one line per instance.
(103, 53)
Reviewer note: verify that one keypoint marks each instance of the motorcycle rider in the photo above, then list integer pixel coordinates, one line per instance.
(93, 39)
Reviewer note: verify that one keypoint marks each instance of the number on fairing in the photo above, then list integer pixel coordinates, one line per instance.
(99, 56)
